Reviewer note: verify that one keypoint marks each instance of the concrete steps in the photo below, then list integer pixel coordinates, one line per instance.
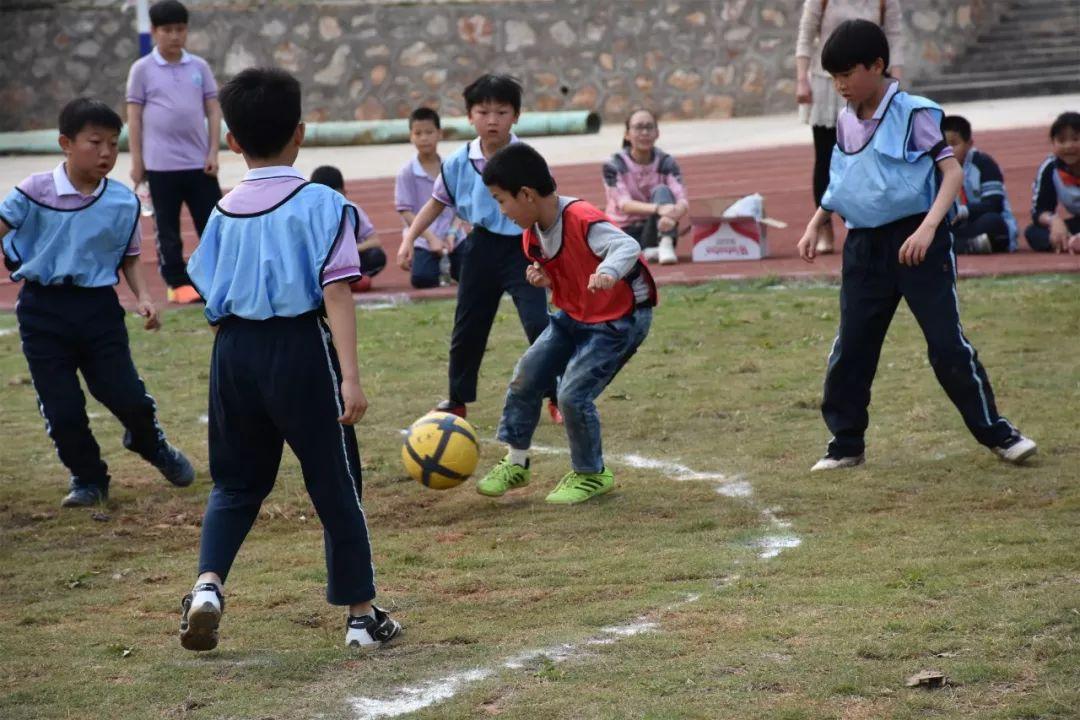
(1033, 48)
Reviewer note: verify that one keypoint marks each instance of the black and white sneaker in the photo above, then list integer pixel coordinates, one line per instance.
(1016, 449)
(835, 462)
(367, 633)
(202, 609)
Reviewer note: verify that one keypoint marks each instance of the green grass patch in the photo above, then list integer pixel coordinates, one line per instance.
(934, 555)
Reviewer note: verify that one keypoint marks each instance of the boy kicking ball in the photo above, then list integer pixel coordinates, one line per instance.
(605, 295)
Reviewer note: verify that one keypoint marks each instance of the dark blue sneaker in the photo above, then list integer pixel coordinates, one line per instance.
(173, 465)
(85, 496)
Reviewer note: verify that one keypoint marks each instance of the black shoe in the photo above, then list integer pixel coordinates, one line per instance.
(199, 624)
(367, 633)
(449, 406)
(85, 496)
(173, 465)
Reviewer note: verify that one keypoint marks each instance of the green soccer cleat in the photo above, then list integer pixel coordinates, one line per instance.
(504, 476)
(578, 487)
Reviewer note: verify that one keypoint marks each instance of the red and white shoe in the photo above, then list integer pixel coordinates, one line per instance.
(449, 406)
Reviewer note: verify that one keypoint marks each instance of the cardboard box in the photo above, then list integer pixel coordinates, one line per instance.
(726, 228)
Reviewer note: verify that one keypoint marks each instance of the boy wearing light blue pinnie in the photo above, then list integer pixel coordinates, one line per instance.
(68, 235)
(893, 178)
(274, 268)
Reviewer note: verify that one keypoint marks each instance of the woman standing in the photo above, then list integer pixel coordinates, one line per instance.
(818, 100)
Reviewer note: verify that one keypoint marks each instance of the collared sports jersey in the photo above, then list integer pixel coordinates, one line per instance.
(886, 179)
(84, 246)
(270, 263)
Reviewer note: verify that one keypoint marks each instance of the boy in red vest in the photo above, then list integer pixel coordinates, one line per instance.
(604, 293)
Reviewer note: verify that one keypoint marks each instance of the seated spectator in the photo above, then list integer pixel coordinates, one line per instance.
(982, 221)
(1057, 184)
(645, 192)
(372, 256)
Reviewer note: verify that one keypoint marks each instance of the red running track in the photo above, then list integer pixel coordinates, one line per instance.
(781, 174)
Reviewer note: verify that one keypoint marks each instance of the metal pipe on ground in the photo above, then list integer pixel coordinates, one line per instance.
(352, 132)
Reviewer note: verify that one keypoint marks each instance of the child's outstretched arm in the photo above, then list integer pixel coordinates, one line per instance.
(808, 242)
(913, 251)
(143, 304)
(428, 214)
(341, 317)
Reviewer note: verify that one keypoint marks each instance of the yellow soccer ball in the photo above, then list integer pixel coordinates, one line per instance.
(440, 450)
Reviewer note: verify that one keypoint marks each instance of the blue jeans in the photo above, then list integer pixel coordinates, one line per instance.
(587, 356)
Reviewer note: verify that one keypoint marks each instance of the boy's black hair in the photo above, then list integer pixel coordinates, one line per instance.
(626, 143)
(168, 12)
(329, 176)
(421, 114)
(81, 112)
(495, 88)
(1065, 121)
(262, 109)
(957, 124)
(854, 42)
(516, 166)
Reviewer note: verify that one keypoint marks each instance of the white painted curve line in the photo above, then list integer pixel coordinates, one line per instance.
(736, 489)
(409, 699)
(779, 537)
(673, 470)
(384, 301)
(773, 545)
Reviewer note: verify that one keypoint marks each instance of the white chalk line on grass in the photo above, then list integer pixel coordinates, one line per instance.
(408, 699)
(4, 332)
(411, 699)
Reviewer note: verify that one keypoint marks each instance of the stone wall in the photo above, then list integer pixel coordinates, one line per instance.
(372, 59)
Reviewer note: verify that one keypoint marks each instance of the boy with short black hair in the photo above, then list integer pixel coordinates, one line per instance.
(491, 259)
(982, 219)
(274, 267)
(1057, 184)
(412, 189)
(68, 235)
(605, 295)
(372, 257)
(884, 183)
(175, 123)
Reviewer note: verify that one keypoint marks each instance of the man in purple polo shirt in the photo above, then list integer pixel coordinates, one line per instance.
(174, 122)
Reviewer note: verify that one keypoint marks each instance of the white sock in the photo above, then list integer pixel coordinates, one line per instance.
(519, 457)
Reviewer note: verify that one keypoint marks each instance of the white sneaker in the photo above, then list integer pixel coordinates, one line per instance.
(201, 615)
(367, 633)
(666, 251)
(1016, 449)
(835, 463)
(980, 244)
(651, 254)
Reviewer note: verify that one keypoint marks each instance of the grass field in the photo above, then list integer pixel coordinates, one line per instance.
(652, 602)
